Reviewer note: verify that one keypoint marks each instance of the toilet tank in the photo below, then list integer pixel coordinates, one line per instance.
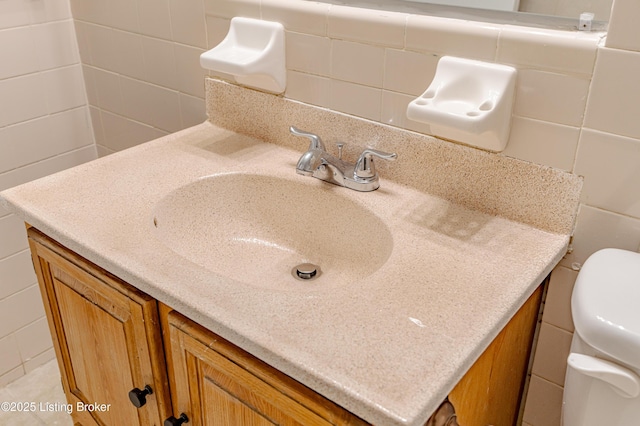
(605, 304)
(602, 386)
(591, 401)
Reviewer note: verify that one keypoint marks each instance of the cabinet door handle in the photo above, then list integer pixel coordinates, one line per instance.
(139, 397)
(172, 421)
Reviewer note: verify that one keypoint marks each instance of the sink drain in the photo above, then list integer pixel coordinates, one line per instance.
(306, 271)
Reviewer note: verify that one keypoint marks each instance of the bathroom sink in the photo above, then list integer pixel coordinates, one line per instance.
(256, 229)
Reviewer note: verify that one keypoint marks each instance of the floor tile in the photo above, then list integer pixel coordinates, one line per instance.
(43, 388)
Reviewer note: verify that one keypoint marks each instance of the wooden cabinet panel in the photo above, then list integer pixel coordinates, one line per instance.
(491, 391)
(228, 408)
(216, 383)
(97, 350)
(106, 336)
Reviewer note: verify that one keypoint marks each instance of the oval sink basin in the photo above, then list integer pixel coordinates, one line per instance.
(256, 229)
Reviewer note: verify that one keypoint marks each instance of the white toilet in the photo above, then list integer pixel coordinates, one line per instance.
(602, 384)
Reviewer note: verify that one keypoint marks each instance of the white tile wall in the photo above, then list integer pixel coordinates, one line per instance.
(308, 88)
(597, 229)
(188, 66)
(544, 403)
(301, 16)
(38, 360)
(308, 53)
(357, 63)
(452, 37)
(16, 273)
(26, 95)
(125, 133)
(187, 22)
(63, 88)
(376, 27)
(295, 16)
(543, 142)
(13, 14)
(615, 81)
(151, 104)
(154, 18)
(141, 64)
(34, 338)
(9, 354)
(548, 96)
(105, 92)
(14, 373)
(14, 239)
(55, 43)
(191, 108)
(611, 188)
(558, 300)
(159, 62)
(44, 127)
(623, 26)
(396, 77)
(51, 10)
(20, 309)
(45, 167)
(356, 99)
(394, 105)
(19, 45)
(44, 137)
(559, 51)
(552, 351)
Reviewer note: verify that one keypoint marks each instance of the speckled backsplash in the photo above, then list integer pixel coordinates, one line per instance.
(536, 195)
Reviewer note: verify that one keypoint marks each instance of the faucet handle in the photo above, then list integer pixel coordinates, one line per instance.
(315, 141)
(365, 167)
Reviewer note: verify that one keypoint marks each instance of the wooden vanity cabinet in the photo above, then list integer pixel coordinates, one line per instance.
(111, 338)
(107, 339)
(216, 383)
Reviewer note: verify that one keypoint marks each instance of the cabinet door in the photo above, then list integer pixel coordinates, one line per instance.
(107, 338)
(491, 391)
(216, 383)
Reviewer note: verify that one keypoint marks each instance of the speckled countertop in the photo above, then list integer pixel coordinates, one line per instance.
(472, 235)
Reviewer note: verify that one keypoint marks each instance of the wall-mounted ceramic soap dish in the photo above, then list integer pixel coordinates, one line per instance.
(468, 101)
(253, 52)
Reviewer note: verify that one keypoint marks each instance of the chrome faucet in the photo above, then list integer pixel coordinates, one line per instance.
(317, 162)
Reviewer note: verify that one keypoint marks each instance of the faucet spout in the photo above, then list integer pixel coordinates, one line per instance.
(317, 162)
(310, 161)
